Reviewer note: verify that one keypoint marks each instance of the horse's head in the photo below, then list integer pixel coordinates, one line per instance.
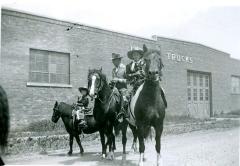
(96, 81)
(153, 63)
(56, 112)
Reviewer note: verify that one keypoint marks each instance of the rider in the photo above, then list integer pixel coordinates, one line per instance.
(135, 70)
(119, 76)
(84, 106)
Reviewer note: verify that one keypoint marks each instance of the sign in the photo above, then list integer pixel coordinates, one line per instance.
(179, 58)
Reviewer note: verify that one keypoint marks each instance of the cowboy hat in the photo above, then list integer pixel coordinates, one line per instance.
(83, 88)
(135, 49)
(116, 56)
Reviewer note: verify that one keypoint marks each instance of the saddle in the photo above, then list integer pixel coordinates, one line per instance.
(116, 95)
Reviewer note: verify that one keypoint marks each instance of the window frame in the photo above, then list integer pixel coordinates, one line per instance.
(49, 53)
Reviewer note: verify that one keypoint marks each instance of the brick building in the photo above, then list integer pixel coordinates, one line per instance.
(44, 59)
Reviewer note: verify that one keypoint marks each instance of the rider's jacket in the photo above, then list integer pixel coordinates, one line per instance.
(119, 76)
(135, 72)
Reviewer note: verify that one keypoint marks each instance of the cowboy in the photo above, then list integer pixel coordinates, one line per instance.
(135, 70)
(119, 77)
(118, 72)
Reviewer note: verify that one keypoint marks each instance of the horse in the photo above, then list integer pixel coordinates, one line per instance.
(64, 111)
(148, 104)
(4, 121)
(108, 105)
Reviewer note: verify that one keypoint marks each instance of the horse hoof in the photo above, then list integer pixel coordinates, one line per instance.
(110, 156)
(140, 163)
(82, 151)
(103, 156)
(69, 153)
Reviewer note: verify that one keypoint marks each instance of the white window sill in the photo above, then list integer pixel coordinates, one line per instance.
(36, 84)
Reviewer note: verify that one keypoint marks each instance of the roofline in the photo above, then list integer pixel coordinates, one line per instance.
(234, 59)
(76, 23)
(189, 42)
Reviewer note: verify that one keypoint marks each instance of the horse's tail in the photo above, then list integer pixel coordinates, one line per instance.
(4, 118)
(148, 132)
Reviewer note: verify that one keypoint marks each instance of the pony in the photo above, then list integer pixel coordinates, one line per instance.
(4, 121)
(64, 111)
(148, 103)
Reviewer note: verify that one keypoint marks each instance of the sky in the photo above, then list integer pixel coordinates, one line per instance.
(215, 23)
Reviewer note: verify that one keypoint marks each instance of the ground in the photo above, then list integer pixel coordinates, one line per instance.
(214, 147)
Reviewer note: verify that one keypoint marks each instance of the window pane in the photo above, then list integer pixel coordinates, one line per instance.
(189, 94)
(201, 80)
(195, 94)
(194, 79)
(189, 79)
(206, 81)
(201, 94)
(206, 94)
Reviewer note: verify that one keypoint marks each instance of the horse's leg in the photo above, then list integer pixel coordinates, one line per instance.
(111, 138)
(1, 161)
(102, 137)
(140, 132)
(79, 143)
(124, 136)
(158, 131)
(70, 143)
(114, 143)
(134, 143)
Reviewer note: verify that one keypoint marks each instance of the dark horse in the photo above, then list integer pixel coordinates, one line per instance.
(64, 111)
(4, 120)
(108, 105)
(148, 104)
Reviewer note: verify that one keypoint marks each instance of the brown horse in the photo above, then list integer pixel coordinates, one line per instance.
(4, 120)
(148, 104)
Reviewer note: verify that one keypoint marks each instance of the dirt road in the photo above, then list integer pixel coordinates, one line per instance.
(215, 147)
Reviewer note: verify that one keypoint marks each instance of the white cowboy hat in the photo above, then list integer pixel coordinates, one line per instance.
(135, 49)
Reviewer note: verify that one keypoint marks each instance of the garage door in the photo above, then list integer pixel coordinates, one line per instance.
(198, 94)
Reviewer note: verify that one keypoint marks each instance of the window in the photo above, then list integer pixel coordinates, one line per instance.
(49, 67)
(235, 84)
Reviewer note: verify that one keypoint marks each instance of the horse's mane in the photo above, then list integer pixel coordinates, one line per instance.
(150, 51)
(4, 118)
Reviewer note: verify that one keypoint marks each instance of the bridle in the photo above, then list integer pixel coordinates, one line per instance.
(100, 84)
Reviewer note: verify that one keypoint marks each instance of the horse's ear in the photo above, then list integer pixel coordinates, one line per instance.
(56, 104)
(100, 70)
(145, 49)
